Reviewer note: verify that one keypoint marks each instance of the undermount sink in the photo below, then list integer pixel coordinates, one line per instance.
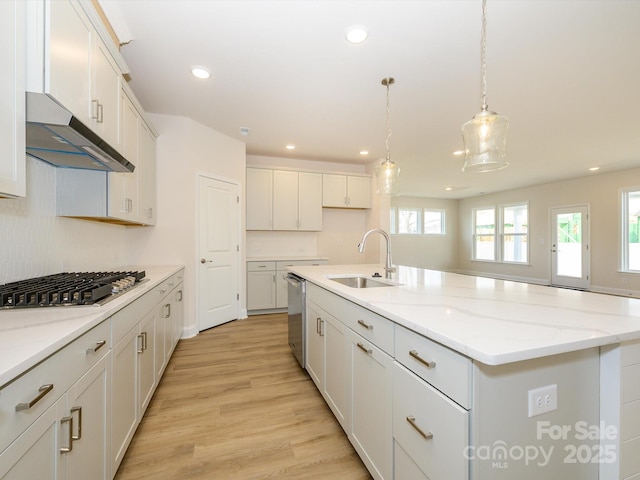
(359, 281)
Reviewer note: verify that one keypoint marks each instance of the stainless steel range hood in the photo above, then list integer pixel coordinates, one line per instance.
(55, 136)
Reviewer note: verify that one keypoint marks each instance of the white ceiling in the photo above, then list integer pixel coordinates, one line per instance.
(565, 73)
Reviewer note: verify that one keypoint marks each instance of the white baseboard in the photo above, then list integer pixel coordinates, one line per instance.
(615, 291)
(189, 332)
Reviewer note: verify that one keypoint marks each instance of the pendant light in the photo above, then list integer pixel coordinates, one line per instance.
(387, 172)
(485, 135)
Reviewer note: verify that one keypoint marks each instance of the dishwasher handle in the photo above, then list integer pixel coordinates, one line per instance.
(293, 281)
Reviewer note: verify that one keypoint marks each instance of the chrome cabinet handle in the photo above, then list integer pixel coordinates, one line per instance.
(180, 295)
(68, 421)
(98, 346)
(365, 324)
(43, 390)
(94, 108)
(167, 310)
(429, 364)
(79, 410)
(412, 421)
(144, 341)
(100, 118)
(319, 326)
(366, 350)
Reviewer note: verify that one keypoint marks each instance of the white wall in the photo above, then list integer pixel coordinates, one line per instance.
(186, 149)
(437, 252)
(341, 228)
(34, 242)
(600, 191)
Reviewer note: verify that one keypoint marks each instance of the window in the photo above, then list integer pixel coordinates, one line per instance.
(511, 227)
(417, 221)
(484, 228)
(631, 230)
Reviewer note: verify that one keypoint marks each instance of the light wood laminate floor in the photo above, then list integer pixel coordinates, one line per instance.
(234, 404)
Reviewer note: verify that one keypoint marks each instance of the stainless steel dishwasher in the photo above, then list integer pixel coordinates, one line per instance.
(297, 291)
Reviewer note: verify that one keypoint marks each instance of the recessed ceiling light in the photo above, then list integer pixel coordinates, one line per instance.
(200, 71)
(356, 34)
(290, 147)
(448, 189)
(458, 152)
(594, 169)
(364, 152)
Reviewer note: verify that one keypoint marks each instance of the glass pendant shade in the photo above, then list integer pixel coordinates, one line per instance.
(387, 174)
(485, 142)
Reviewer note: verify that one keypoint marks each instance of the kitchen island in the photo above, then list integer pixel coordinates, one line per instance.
(514, 380)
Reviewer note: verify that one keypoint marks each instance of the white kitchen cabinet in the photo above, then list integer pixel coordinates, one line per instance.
(346, 191)
(371, 396)
(106, 80)
(337, 374)
(265, 293)
(146, 361)
(43, 410)
(147, 174)
(259, 199)
(315, 344)
(297, 200)
(12, 88)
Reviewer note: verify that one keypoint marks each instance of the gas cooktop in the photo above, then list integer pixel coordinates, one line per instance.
(68, 289)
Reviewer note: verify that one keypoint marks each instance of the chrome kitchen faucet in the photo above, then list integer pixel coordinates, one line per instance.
(388, 268)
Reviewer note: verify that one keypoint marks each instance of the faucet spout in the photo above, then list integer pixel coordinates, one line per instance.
(388, 267)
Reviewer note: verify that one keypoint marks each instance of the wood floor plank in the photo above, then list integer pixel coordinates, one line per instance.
(234, 404)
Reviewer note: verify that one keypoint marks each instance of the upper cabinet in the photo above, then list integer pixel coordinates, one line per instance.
(69, 60)
(283, 200)
(12, 112)
(346, 191)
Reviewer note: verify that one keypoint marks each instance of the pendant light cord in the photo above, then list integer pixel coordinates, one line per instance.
(388, 126)
(483, 56)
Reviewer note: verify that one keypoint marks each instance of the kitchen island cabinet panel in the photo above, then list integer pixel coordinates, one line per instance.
(337, 378)
(12, 89)
(315, 344)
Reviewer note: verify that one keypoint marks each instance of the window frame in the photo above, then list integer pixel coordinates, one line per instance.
(474, 236)
(502, 248)
(394, 219)
(499, 233)
(624, 230)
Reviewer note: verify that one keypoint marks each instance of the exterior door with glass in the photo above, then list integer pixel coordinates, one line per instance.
(570, 247)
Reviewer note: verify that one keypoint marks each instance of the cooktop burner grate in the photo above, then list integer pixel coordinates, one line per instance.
(65, 289)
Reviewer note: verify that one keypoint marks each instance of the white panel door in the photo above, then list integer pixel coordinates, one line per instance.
(570, 247)
(218, 252)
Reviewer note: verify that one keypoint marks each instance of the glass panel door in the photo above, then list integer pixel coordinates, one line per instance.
(570, 247)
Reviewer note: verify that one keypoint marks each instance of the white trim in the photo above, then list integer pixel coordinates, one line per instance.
(621, 292)
(499, 276)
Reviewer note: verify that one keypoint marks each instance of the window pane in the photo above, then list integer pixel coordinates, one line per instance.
(515, 248)
(433, 222)
(633, 230)
(515, 219)
(392, 220)
(485, 247)
(515, 222)
(485, 221)
(408, 220)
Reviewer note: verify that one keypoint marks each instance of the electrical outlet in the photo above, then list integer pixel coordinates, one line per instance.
(543, 400)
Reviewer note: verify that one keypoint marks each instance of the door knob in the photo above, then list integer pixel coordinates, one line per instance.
(202, 260)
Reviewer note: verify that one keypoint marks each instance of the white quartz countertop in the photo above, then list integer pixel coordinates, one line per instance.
(29, 335)
(492, 321)
(283, 258)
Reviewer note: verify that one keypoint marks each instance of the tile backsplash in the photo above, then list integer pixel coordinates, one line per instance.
(34, 242)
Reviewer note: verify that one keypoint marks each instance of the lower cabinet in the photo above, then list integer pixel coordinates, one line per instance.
(371, 393)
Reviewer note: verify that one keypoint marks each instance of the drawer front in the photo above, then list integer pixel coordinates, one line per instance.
(443, 368)
(283, 264)
(378, 330)
(432, 430)
(47, 381)
(332, 303)
(260, 266)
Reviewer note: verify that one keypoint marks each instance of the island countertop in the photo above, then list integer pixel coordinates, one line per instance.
(492, 321)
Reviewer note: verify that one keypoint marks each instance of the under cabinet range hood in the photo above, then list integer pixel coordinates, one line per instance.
(55, 136)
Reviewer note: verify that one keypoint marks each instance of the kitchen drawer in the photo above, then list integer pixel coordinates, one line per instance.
(330, 302)
(450, 373)
(432, 430)
(378, 330)
(260, 266)
(60, 370)
(283, 264)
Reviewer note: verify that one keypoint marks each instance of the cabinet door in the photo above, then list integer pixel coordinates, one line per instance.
(336, 370)
(315, 344)
(282, 289)
(261, 290)
(124, 395)
(90, 408)
(334, 190)
(359, 192)
(12, 85)
(70, 58)
(310, 201)
(34, 455)
(164, 335)
(259, 199)
(147, 174)
(371, 432)
(285, 200)
(105, 97)
(146, 361)
(177, 311)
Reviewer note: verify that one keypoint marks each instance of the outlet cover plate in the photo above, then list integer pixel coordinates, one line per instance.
(543, 400)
